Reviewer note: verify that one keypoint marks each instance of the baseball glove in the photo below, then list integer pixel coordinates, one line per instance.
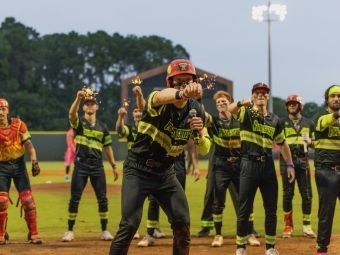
(35, 168)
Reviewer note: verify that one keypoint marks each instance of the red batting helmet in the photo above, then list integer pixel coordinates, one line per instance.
(180, 66)
(296, 99)
(4, 103)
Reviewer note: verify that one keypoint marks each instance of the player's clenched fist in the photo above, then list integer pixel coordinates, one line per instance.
(137, 90)
(193, 90)
(122, 112)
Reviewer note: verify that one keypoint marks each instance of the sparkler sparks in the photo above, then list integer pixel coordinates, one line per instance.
(136, 80)
(208, 82)
(126, 103)
(89, 92)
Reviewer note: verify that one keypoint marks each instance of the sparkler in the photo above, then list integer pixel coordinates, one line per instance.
(136, 80)
(126, 103)
(208, 82)
(89, 93)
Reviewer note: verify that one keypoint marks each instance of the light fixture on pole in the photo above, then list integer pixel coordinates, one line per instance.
(275, 12)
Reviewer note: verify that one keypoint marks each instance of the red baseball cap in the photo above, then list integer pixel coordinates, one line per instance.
(261, 86)
(90, 99)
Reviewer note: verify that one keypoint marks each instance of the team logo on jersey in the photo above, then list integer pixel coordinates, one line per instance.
(183, 66)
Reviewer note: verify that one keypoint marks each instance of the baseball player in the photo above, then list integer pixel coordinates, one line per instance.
(130, 131)
(327, 165)
(297, 130)
(91, 138)
(70, 154)
(168, 122)
(153, 210)
(225, 132)
(258, 129)
(14, 141)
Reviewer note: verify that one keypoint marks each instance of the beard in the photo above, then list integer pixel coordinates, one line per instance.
(294, 112)
(335, 108)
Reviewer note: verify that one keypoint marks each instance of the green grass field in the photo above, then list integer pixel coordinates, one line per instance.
(52, 208)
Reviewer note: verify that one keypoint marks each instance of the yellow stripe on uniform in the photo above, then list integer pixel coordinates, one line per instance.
(88, 142)
(256, 139)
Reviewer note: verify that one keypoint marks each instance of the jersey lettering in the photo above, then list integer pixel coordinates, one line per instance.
(177, 133)
(228, 132)
(93, 133)
(333, 131)
(264, 129)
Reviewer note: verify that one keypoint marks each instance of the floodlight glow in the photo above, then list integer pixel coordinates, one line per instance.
(277, 10)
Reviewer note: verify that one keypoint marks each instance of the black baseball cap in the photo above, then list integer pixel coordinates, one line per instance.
(90, 99)
(261, 86)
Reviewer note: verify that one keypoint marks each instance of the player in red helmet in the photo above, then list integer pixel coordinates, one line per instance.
(14, 141)
(170, 118)
(298, 131)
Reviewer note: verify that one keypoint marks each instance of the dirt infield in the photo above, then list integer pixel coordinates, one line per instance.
(64, 187)
(199, 246)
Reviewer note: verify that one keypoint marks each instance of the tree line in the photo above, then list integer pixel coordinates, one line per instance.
(40, 75)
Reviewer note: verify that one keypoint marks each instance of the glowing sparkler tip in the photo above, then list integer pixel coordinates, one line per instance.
(126, 103)
(89, 93)
(136, 80)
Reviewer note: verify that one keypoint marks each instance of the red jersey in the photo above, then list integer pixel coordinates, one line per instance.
(12, 139)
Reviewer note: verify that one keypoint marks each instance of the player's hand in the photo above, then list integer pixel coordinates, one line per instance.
(122, 112)
(196, 123)
(81, 94)
(137, 90)
(306, 139)
(115, 173)
(291, 174)
(196, 174)
(35, 168)
(246, 102)
(193, 90)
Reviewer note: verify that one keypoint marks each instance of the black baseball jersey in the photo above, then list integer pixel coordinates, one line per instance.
(327, 140)
(258, 132)
(89, 139)
(225, 135)
(164, 131)
(130, 134)
(293, 133)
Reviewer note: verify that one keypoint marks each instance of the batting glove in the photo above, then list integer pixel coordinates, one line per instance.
(35, 168)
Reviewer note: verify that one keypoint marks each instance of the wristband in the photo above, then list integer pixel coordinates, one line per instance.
(178, 95)
(290, 165)
(183, 96)
(239, 104)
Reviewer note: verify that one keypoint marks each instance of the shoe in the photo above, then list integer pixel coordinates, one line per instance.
(68, 236)
(287, 232)
(307, 231)
(106, 235)
(146, 241)
(241, 251)
(67, 178)
(252, 240)
(321, 253)
(255, 233)
(136, 236)
(4, 238)
(205, 231)
(271, 251)
(36, 239)
(157, 233)
(218, 241)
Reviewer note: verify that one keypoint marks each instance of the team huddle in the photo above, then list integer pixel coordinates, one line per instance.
(240, 140)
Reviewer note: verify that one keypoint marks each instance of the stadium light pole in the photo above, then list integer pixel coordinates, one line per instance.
(275, 12)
